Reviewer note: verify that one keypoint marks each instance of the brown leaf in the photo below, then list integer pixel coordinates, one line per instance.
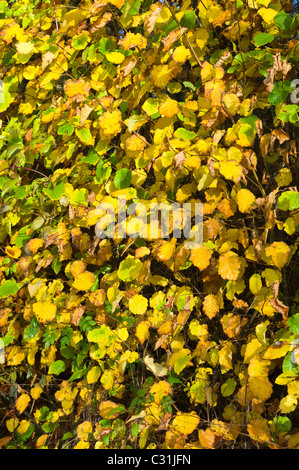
(163, 426)
(173, 37)
(179, 160)
(279, 306)
(281, 135)
(78, 312)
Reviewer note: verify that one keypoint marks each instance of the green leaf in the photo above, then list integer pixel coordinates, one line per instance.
(189, 19)
(289, 200)
(184, 134)
(293, 323)
(283, 20)
(228, 387)
(263, 38)
(129, 269)
(80, 41)
(31, 330)
(103, 171)
(92, 158)
(189, 85)
(135, 429)
(280, 92)
(122, 178)
(130, 8)
(56, 265)
(22, 237)
(67, 352)
(57, 367)
(8, 288)
(84, 135)
(65, 129)
(289, 365)
(289, 113)
(151, 106)
(56, 192)
(282, 423)
(102, 336)
(77, 375)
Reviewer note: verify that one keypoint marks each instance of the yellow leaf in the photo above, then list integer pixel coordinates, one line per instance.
(12, 424)
(279, 253)
(226, 355)
(98, 297)
(231, 170)
(44, 311)
(115, 57)
(293, 442)
(110, 123)
(229, 266)
(25, 47)
(84, 281)
(277, 350)
(15, 356)
(160, 390)
(268, 14)
(41, 441)
(207, 438)
(23, 426)
(78, 88)
(253, 348)
(131, 40)
(34, 244)
(169, 108)
(255, 284)
(231, 103)
(154, 414)
(201, 257)
(106, 409)
(180, 359)
(138, 305)
(93, 375)
(77, 267)
(232, 324)
(202, 37)
(227, 207)
(245, 200)
(82, 445)
(288, 404)
(161, 75)
(228, 431)
(214, 90)
(181, 54)
(284, 177)
(13, 251)
(185, 423)
(135, 143)
(83, 430)
(258, 430)
(260, 387)
(22, 402)
(210, 306)
(165, 250)
(36, 391)
(142, 331)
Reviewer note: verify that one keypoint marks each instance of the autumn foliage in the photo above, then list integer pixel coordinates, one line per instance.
(138, 342)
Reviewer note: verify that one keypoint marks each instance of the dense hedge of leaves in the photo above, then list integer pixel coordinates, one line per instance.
(141, 342)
